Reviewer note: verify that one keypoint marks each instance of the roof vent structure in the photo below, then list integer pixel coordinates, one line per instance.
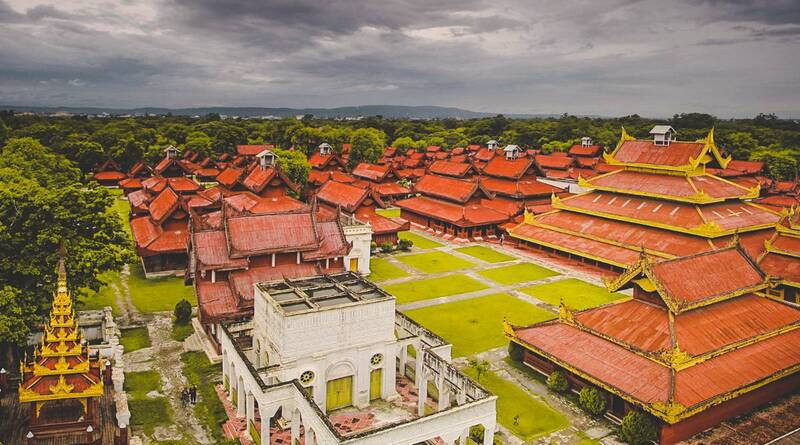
(662, 134)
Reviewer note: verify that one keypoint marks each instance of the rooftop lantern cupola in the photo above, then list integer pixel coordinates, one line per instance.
(512, 151)
(171, 152)
(662, 134)
(325, 148)
(266, 159)
(491, 145)
(586, 141)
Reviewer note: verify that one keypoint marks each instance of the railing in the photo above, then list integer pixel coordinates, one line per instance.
(456, 380)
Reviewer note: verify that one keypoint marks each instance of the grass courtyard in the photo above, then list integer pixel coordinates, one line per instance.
(485, 254)
(146, 412)
(157, 294)
(517, 410)
(383, 270)
(435, 262)
(577, 294)
(409, 291)
(517, 273)
(476, 324)
(389, 213)
(134, 338)
(420, 241)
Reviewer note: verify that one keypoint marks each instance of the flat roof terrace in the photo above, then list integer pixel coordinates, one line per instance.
(311, 294)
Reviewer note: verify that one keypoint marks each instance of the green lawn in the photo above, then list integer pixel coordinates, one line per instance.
(138, 384)
(209, 410)
(485, 253)
(91, 300)
(435, 262)
(409, 291)
(181, 331)
(577, 294)
(134, 338)
(517, 273)
(147, 414)
(536, 418)
(382, 270)
(122, 208)
(420, 241)
(157, 294)
(389, 213)
(476, 325)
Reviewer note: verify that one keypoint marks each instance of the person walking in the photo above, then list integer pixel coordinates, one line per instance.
(193, 394)
(184, 397)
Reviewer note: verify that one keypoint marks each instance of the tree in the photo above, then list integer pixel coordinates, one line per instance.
(592, 400)
(638, 428)
(44, 206)
(294, 164)
(183, 311)
(199, 142)
(557, 381)
(85, 154)
(366, 145)
(4, 132)
(224, 136)
(481, 367)
(781, 164)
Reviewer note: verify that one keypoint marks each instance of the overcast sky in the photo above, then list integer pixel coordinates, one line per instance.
(608, 57)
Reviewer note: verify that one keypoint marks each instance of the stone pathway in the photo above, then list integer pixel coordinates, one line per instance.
(164, 357)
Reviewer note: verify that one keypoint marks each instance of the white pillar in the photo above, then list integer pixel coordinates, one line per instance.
(213, 276)
(273, 260)
(422, 390)
(462, 439)
(250, 406)
(264, 426)
(295, 426)
(488, 434)
(444, 394)
(240, 399)
(403, 359)
(298, 257)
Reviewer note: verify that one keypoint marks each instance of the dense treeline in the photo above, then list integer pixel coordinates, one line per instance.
(88, 141)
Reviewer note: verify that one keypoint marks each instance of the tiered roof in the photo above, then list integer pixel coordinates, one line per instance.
(660, 199)
(61, 367)
(699, 333)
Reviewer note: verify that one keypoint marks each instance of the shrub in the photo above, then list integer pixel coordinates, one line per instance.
(557, 381)
(373, 245)
(593, 401)
(476, 434)
(638, 428)
(515, 351)
(183, 311)
(404, 244)
(387, 247)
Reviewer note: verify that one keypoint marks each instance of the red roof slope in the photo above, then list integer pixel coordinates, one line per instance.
(268, 233)
(501, 167)
(448, 188)
(372, 172)
(252, 150)
(646, 152)
(447, 168)
(580, 150)
(344, 195)
(468, 215)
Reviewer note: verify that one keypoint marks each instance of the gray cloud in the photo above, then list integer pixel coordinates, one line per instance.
(613, 57)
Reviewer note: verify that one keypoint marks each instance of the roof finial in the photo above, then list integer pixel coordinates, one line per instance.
(735, 241)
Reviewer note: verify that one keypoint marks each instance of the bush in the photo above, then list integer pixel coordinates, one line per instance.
(515, 351)
(183, 312)
(557, 381)
(476, 434)
(373, 246)
(638, 428)
(593, 401)
(387, 247)
(404, 244)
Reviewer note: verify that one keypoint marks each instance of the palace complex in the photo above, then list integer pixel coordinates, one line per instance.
(701, 341)
(325, 360)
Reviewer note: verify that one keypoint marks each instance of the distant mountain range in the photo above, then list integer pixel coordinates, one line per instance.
(387, 111)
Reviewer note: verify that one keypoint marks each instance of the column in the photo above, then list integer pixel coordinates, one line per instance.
(250, 406)
(488, 434)
(240, 399)
(444, 394)
(296, 420)
(403, 359)
(462, 439)
(422, 390)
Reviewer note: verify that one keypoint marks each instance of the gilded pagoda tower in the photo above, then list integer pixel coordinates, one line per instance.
(61, 381)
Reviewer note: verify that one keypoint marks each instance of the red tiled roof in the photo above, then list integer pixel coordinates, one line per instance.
(372, 172)
(380, 224)
(587, 162)
(468, 215)
(501, 167)
(255, 204)
(723, 272)
(109, 176)
(390, 189)
(230, 176)
(344, 195)
(783, 266)
(553, 162)
(626, 181)
(210, 248)
(447, 168)
(505, 206)
(320, 161)
(207, 172)
(269, 233)
(332, 241)
(523, 188)
(448, 188)
(258, 179)
(580, 150)
(163, 205)
(252, 150)
(677, 153)
(131, 183)
(608, 252)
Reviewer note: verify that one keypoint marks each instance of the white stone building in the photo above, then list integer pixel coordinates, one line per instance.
(328, 360)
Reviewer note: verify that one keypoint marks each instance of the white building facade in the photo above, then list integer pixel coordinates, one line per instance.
(332, 347)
